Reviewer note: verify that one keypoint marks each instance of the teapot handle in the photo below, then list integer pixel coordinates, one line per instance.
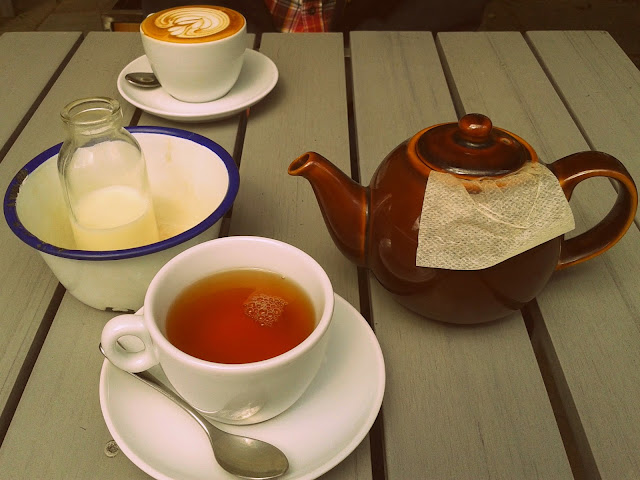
(573, 169)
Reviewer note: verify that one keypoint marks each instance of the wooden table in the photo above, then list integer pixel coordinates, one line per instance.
(551, 392)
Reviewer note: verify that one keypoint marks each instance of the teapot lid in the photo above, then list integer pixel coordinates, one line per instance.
(472, 147)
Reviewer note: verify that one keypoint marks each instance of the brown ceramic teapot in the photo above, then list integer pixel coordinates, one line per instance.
(375, 226)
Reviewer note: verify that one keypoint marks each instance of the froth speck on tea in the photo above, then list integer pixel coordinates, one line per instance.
(240, 316)
(193, 24)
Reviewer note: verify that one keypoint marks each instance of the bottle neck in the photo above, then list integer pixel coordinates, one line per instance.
(92, 116)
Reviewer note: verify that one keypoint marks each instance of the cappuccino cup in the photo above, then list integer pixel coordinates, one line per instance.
(234, 393)
(195, 51)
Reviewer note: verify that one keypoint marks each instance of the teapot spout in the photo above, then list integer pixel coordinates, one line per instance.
(343, 203)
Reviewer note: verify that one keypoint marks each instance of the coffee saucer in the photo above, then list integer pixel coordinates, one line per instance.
(317, 433)
(257, 78)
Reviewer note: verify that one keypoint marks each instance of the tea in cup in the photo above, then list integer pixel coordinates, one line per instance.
(195, 51)
(238, 324)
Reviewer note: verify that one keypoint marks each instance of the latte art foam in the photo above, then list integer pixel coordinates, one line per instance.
(193, 24)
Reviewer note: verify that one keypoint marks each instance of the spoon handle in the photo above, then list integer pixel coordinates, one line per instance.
(153, 382)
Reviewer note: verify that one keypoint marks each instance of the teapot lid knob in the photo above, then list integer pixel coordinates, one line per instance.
(475, 127)
(472, 147)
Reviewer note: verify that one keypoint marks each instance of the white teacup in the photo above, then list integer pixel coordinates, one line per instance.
(195, 51)
(243, 393)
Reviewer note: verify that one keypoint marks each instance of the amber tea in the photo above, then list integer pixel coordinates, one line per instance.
(240, 316)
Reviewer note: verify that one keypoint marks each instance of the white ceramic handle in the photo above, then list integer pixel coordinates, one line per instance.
(121, 326)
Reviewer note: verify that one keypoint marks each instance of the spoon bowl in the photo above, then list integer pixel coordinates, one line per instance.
(244, 457)
(142, 79)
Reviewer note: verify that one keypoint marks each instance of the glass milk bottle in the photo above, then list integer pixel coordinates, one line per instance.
(104, 178)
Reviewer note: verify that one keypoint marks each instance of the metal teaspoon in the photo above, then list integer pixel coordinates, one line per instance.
(142, 79)
(241, 456)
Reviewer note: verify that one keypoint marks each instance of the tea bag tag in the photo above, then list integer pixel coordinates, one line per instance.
(475, 224)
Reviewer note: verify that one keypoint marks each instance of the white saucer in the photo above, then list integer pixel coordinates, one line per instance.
(257, 78)
(317, 433)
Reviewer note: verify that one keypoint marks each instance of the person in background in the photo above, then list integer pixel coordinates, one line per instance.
(346, 15)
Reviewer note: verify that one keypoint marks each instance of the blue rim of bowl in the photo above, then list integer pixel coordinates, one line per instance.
(11, 195)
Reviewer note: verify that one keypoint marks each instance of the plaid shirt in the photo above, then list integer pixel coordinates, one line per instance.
(301, 15)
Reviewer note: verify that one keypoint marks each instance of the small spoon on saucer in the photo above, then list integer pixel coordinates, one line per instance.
(241, 456)
(142, 79)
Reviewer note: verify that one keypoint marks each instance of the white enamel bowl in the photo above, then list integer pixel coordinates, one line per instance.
(194, 182)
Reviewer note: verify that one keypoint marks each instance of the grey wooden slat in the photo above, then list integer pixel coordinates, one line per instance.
(28, 285)
(306, 111)
(460, 402)
(399, 90)
(20, 82)
(601, 87)
(589, 329)
(58, 430)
